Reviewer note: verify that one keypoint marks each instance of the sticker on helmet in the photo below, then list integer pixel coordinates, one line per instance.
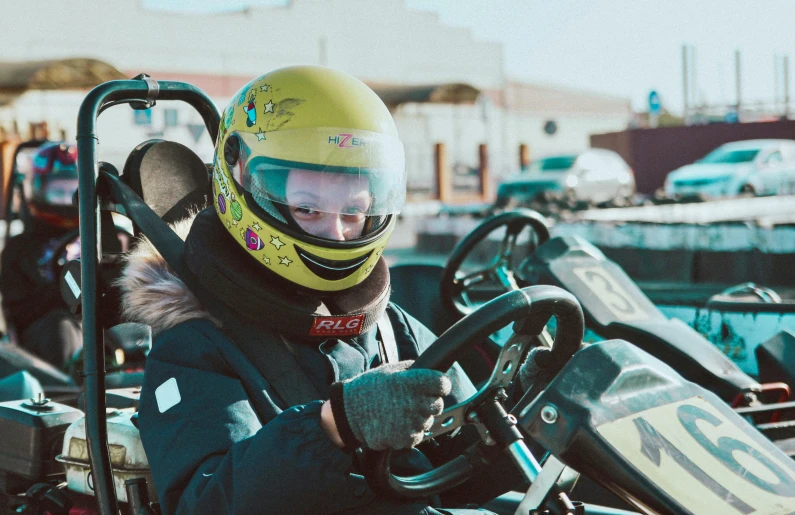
(222, 181)
(251, 111)
(229, 118)
(264, 88)
(283, 116)
(253, 241)
(269, 107)
(276, 242)
(260, 135)
(337, 326)
(235, 208)
(284, 260)
(243, 95)
(221, 204)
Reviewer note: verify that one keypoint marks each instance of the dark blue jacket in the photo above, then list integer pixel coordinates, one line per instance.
(219, 439)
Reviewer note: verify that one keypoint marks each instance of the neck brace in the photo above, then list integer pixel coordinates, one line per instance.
(268, 301)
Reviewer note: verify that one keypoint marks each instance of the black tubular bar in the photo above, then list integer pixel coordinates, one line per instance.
(91, 249)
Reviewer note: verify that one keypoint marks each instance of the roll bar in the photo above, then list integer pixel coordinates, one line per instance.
(141, 93)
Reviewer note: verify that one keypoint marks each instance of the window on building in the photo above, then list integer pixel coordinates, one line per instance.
(171, 117)
(142, 117)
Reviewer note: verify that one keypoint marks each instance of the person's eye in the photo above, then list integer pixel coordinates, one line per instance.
(305, 211)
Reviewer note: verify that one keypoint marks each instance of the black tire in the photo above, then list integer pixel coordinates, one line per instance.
(747, 189)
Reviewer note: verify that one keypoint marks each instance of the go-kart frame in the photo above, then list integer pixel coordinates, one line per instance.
(140, 93)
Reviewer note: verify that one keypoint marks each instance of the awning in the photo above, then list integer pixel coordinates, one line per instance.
(455, 93)
(77, 73)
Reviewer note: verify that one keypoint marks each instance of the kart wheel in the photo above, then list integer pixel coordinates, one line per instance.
(747, 189)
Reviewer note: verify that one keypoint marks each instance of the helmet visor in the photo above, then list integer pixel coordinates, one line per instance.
(326, 177)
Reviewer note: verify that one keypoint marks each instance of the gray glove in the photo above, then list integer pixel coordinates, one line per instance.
(388, 407)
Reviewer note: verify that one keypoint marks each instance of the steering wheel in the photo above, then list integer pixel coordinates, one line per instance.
(529, 308)
(455, 286)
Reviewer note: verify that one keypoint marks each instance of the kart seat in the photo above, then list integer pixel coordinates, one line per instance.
(415, 288)
(169, 177)
(174, 182)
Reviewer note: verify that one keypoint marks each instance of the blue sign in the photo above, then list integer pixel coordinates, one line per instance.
(654, 103)
(143, 117)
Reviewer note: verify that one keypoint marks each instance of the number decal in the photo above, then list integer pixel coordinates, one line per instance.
(725, 448)
(610, 293)
(696, 454)
(616, 300)
(653, 442)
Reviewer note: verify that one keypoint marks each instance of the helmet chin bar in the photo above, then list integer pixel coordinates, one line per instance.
(271, 299)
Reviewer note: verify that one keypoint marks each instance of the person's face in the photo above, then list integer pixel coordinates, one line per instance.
(330, 206)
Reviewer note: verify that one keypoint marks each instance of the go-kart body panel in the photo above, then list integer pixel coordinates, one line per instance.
(632, 423)
(615, 307)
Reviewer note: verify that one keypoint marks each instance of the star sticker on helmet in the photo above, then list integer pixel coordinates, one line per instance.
(368, 269)
(260, 135)
(284, 260)
(276, 242)
(228, 224)
(264, 88)
(267, 260)
(269, 106)
(234, 222)
(256, 226)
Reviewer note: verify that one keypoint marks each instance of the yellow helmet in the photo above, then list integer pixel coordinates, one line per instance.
(308, 175)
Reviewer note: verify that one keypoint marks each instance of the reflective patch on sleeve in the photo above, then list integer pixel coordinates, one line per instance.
(167, 395)
(70, 281)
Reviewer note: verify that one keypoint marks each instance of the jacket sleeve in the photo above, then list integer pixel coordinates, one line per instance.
(210, 453)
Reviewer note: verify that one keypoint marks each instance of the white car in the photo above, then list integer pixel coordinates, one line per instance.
(763, 166)
(597, 175)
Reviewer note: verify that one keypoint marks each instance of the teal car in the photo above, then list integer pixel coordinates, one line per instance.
(761, 167)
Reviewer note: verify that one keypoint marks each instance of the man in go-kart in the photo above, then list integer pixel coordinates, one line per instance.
(308, 177)
(32, 302)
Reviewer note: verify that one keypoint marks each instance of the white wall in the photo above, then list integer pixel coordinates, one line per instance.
(376, 40)
(116, 131)
(463, 128)
(379, 41)
(572, 134)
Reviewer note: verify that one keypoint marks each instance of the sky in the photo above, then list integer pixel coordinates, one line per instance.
(626, 48)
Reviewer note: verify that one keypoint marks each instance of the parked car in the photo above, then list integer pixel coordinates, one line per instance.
(763, 166)
(595, 175)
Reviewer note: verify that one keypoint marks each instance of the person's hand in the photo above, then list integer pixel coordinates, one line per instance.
(388, 407)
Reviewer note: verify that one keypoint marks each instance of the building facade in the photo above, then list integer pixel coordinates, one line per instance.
(380, 41)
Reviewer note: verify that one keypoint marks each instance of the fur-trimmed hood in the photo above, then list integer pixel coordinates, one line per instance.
(151, 293)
